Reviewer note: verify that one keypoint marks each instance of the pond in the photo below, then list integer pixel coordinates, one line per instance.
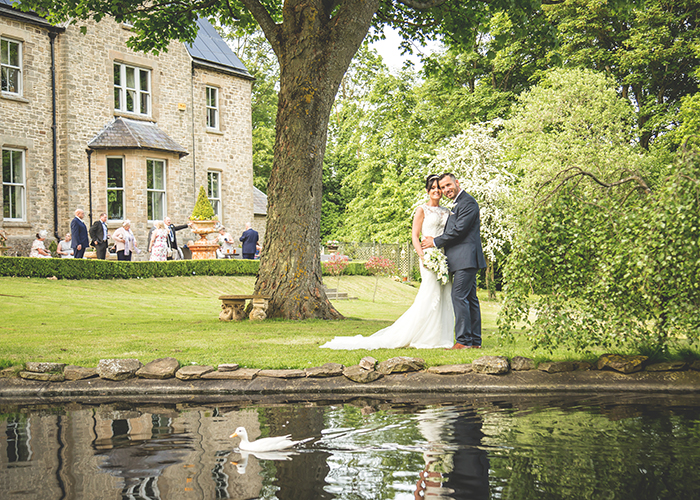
(622, 446)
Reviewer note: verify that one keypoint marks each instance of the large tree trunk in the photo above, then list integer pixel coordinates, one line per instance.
(314, 51)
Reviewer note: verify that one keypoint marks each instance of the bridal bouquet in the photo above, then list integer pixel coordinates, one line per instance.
(436, 261)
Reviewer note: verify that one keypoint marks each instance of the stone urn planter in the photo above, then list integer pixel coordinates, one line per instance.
(203, 248)
(203, 222)
(3, 249)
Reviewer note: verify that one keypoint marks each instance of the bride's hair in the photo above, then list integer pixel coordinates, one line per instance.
(429, 181)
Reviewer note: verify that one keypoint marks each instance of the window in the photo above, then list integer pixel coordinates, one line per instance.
(11, 66)
(156, 189)
(132, 89)
(13, 187)
(212, 107)
(214, 191)
(115, 188)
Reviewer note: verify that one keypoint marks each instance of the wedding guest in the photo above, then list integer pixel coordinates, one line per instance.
(80, 234)
(38, 248)
(158, 246)
(99, 236)
(250, 241)
(64, 249)
(126, 243)
(225, 251)
(172, 236)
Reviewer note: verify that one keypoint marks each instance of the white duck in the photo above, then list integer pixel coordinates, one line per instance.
(264, 444)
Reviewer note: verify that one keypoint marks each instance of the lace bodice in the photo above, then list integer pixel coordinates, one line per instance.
(434, 220)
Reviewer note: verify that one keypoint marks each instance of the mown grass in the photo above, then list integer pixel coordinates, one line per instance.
(81, 322)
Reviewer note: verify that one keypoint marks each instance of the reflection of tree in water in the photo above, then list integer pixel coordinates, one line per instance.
(557, 453)
(301, 477)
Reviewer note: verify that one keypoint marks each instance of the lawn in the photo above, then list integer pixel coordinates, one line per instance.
(81, 322)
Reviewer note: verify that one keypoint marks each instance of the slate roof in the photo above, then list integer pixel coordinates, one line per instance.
(259, 202)
(210, 50)
(7, 9)
(123, 133)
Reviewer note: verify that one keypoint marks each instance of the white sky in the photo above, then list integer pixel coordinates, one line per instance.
(391, 53)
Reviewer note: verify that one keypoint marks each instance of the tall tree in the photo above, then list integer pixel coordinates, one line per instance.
(314, 41)
(648, 46)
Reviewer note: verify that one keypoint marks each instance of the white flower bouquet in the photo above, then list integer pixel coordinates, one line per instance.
(435, 260)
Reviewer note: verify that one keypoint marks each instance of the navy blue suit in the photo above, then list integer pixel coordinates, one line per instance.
(462, 243)
(79, 236)
(250, 242)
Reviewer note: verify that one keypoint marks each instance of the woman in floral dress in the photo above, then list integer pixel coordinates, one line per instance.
(159, 243)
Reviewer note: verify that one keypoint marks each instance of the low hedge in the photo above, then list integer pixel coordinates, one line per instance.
(76, 269)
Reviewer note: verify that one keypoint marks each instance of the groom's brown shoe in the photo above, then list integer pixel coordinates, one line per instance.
(457, 346)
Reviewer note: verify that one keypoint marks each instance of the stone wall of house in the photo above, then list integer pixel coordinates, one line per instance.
(85, 98)
(25, 124)
(228, 150)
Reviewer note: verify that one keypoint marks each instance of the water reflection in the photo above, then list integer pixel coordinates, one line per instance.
(488, 448)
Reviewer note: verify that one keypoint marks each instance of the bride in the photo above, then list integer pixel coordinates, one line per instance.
(429, 322)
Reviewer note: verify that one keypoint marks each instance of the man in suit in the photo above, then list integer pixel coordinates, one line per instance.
(250, 242)
(79, 234)
(462, 243)
(99, 236)
(172, 236)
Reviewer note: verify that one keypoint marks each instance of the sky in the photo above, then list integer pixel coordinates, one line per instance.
(391, 53)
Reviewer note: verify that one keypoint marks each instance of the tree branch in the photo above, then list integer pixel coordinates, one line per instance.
(267, 24)
(579, 173)
(415, 4)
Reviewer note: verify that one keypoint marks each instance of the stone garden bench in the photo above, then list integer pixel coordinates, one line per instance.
(233, 307)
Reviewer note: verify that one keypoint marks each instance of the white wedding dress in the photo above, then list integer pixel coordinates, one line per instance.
(429, 322)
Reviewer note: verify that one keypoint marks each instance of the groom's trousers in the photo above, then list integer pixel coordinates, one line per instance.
(466, 307)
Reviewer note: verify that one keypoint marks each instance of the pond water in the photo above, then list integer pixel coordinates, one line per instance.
(614, 447)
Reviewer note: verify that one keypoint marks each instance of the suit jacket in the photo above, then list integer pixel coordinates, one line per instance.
(172, 234)
(250, 240)
(79, 234)
(462, 236)
(96, 232)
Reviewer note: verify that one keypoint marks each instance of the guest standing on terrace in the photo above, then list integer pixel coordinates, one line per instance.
(80, 234)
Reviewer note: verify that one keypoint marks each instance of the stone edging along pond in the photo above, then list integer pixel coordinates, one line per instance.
(488, 374)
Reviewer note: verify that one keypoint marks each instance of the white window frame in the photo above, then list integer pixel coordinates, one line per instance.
(212, 107)
(140, 96)
(20, 186)
(152, 192)
(214, 176)
(5, 64)
(119, 190)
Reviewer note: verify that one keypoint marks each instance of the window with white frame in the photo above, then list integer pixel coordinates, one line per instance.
(115, 188)
(132, 89)
(13, 184)
(212, 107)
(11, 66)
(214, 191)
(155, 185)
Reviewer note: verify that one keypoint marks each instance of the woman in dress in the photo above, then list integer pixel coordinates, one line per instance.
(225, 251)
(126, 243)
(159, 243)
(429, 322)
(38, 248)
(64, 248)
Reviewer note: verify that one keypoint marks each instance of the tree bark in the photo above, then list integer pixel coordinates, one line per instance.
(314, 50)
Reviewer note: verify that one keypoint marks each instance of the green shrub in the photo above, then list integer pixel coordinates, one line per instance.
(76, 269)
(83, 269)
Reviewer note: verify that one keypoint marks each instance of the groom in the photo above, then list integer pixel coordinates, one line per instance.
(462, 243)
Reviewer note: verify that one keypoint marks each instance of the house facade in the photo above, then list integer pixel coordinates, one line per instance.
(86, 122)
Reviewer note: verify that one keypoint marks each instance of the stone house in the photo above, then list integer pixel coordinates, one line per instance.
(86, 122)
